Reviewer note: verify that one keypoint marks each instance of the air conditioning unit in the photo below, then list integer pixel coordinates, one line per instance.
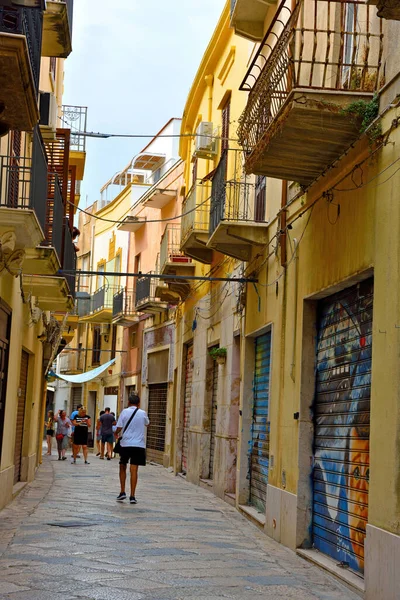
(105, 329)
(48, 114)
(206, 141)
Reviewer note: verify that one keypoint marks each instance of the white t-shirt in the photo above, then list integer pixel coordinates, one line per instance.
(135, 434)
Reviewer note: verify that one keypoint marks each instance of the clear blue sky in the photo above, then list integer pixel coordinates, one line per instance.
(132, 65)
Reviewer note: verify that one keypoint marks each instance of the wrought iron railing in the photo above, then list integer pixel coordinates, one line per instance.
(23, 180)
(103, 298)
(146, 289)
(170, 246)
(27, 22)
(232, 200)
(83, 303)
(69, 258)
(330, 45)
(75, 118)
(124, 303)
(196, 210)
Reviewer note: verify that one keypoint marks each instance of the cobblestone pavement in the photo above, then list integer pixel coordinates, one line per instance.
(178, 542)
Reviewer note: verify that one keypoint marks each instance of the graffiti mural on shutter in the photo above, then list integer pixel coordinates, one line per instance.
(19, 432)
(213, 428)
(259, 455)
(157, 412)
(187, 404)
(342, 419)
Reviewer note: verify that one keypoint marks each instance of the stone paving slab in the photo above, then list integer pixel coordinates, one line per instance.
(179, 542)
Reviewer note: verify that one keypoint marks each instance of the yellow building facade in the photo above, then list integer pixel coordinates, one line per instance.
(309, 452)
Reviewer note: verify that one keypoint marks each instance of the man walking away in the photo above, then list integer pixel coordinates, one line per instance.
(133, 444)
(107, 436)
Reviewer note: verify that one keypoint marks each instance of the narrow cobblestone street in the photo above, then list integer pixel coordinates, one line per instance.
(178, 542)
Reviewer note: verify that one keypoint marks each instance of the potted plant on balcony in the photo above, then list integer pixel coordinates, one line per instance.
(218, 354)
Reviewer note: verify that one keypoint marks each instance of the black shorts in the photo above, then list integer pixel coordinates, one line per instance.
(134, 455)
(50, 432)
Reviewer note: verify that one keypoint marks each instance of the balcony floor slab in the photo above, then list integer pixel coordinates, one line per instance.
(52, 293)
(152, 306)
(237, 238)
(309, 133)
(24, 223)
(195, 246)
(17, 88)
(41, 261)
(103, 315)
(56, 30)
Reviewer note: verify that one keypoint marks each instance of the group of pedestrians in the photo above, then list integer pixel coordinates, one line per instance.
(129, 430)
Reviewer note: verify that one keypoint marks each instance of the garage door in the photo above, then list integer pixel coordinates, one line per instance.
(19, 433)
(157, 412)
(342, 419)
(259, 458)
(187, 405)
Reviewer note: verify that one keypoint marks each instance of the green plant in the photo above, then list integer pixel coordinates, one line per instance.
(364, 111)
(217, 353)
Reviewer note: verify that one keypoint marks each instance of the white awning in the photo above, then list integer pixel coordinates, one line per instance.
(84, 377)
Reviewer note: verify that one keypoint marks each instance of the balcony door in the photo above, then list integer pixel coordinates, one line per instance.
(260, 199)
(14, 169)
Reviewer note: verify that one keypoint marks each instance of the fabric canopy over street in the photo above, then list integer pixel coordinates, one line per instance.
(83, 377)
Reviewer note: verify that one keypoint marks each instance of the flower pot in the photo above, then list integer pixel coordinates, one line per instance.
(221, 360)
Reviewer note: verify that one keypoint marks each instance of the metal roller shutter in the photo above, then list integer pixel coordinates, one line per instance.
(259, 459)
(19, 434)
(187, 405)
(157, 412)
(342, 420)
(213, 427)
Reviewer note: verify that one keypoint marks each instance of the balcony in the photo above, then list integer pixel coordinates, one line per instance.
(236, 222)
(124, 308)
(147, 300)
(23, 195)
(101, 306)
(20, 45)
(307, 70)
(132, 224)
(75, 118)
(57, 28)
(70, 325)
(387, 9)
(174, 262)
(195, 223)
(248, 17)
(71, 362)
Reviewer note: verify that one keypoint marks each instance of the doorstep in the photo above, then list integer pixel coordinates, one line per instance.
(206, 484)
(230, 499)
(252, 513)
(17, 488)
(353, 581)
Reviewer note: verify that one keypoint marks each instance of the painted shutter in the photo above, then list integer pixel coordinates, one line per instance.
(213, 427)
(19, 433)
(342, 419)
(187, 405)
(260, 428)
(157, 411)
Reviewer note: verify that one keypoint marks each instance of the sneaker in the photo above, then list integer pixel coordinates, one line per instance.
(87, 462)
(73, 462)
(121, 497)
(64, 458)
(132, 500)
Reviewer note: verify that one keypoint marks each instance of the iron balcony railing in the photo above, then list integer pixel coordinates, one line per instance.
(124, 303)
(196, 210)
(83, 303)
(23, 180)
(103, 298)
(75, 118)
(170, 246)
(55, 213)
(27, 22)
(69, 257)
(330, 45)
(232, 200)
(146, 289)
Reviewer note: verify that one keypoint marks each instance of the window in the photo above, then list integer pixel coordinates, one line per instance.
(349, 19)
(226, 115)
(114, 342)
(133, 339)
(260, 198)
(96, 353)
(53, 67)
(136, 269)
(194, 171)
(100, 278)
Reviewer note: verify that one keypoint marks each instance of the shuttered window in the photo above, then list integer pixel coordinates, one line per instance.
(342, 422)
(226, 115)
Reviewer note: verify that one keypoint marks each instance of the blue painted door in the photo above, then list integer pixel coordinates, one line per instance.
(259, 454)
(341, 424)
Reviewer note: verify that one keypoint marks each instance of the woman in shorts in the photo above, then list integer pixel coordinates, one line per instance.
(63, 429)
(49, 431)
(82, 422)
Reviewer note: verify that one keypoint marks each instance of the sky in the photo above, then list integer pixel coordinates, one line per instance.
(132, 65)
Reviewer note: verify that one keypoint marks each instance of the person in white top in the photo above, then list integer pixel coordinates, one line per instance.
(133, 444)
